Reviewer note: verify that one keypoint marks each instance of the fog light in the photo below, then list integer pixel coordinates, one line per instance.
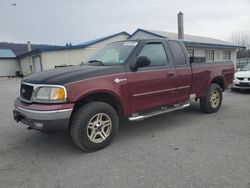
(38, 125)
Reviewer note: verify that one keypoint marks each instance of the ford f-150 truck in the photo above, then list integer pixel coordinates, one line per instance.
(134, 78)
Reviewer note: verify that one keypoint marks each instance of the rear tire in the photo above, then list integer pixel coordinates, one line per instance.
(212, 101)
(94, 126)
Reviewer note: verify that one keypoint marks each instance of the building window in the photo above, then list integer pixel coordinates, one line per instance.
(226, 55)
(209, 54)
(190, 52)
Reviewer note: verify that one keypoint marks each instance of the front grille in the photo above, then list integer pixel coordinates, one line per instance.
(26, 92)
(243, 85)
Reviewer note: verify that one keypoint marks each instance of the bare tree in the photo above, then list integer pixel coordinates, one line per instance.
(242, 39)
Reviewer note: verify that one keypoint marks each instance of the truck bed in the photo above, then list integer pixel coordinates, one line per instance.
(203, 73)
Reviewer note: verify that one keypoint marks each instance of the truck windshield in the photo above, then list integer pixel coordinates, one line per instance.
(113, 54)
(247, 67)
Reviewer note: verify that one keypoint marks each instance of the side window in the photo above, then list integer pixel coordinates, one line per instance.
(178, 54)
(156, 53)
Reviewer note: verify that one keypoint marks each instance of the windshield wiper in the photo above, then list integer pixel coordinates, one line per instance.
(96, 61)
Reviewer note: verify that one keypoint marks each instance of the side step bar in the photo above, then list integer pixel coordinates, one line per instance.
(158, 112)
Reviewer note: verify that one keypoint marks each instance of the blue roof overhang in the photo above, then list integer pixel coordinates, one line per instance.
(7, 54)
(145, 31)
(7, 57)
(209, 45)
(70, 47)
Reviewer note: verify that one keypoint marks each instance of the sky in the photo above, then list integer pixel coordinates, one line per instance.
(77, 21)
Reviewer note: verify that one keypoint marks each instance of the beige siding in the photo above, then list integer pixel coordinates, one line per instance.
(74, 56)
(234, 57)
(8, 67)
(51, 59)
(26, 66)
(218, 53)
(65, 57)
(105, 42)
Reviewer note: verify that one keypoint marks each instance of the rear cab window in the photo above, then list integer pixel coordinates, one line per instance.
(178, 54)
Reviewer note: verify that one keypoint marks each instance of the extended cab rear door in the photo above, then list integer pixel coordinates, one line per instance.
(183, 77)
(151, 86)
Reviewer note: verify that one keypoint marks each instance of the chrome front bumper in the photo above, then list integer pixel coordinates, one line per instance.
(47, 119)
(241, 85)
(45, 115)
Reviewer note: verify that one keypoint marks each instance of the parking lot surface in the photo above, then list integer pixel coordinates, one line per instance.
(180, 149)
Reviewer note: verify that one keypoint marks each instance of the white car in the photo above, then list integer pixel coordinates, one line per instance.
(242, 78)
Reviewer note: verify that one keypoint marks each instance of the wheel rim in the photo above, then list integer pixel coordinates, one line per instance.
(99, 128)
(215, 99)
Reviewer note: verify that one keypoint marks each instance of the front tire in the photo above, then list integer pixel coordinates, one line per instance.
(94, 126)
(211, 103)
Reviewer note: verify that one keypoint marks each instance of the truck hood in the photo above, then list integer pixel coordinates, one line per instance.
(65, 75)
(243, 74)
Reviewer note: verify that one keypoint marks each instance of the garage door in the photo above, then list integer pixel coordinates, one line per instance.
(8, 67)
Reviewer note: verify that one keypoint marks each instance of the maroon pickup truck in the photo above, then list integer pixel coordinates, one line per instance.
(134, 78)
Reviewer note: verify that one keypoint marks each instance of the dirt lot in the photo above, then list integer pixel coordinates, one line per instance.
(181, 149)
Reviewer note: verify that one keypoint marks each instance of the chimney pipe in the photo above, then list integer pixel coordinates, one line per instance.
(29, 46)
(180, 26)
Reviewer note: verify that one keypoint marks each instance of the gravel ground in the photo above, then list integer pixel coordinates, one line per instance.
(180, 149)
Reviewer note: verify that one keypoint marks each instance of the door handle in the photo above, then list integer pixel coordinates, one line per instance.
(171, 74)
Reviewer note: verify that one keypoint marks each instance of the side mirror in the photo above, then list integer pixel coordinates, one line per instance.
(142, 61)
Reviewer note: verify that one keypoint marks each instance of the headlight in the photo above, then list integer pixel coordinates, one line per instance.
(49, 94)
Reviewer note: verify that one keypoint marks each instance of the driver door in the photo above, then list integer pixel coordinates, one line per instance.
(152, 86)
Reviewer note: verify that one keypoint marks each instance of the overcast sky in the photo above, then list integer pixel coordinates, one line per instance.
(77, 21)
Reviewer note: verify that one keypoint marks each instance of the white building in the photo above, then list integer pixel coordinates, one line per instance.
(48, 58)
(212, 49)
(8, 63)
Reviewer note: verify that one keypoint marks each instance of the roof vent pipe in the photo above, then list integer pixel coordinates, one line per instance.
(29, 46)
(180, 26)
